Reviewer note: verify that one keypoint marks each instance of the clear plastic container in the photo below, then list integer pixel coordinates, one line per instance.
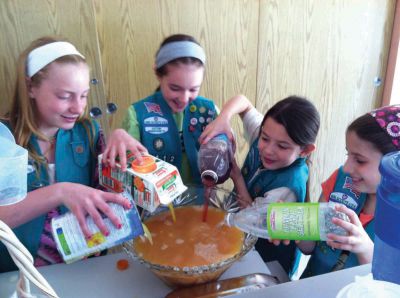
(293, 221)
(14, 164)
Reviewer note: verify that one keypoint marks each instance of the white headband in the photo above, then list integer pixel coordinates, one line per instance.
(179, 49)
(41, 56)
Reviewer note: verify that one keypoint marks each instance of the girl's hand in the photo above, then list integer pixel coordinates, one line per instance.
(218, 126)
(357, 240)
(117, 145)
(277, 242)
(83, 201)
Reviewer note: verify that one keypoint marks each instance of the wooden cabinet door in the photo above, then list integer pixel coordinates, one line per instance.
(22, 21)
(335, 53)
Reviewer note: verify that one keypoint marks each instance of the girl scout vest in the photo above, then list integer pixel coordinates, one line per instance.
(294, 176)
(324, 257)
(75, 162)
(160, 135)
(259, 181)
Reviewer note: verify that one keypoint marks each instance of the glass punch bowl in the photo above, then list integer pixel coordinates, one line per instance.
(186, 276)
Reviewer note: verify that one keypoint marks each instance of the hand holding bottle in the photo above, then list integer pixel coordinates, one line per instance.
(357, 241)
(294, 221)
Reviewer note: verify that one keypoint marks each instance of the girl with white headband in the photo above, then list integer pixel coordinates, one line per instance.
(47, 117)
(169, 122)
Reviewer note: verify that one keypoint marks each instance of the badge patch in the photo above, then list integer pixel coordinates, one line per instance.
(192, 128)
(344, 199)
(158, 144)
(155, 121)
(202, 120)
(156, 130)
(153, 108)
(192, 108)
(202, 110)
(193, 121)
(348, 184)
(208, 120)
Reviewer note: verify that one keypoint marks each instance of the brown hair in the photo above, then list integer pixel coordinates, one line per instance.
(301, 120)
(367, 129)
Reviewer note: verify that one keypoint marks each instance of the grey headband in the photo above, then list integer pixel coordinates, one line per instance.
(179, 49)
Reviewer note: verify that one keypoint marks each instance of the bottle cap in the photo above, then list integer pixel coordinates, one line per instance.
(147, 165)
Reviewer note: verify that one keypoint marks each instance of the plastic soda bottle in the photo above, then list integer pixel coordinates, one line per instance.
(215, 160)
(386, 258)
(292, 221)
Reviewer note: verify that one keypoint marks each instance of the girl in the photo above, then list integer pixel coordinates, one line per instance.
(280, 142)
(175, 113)
(47, 118)
(354, 186)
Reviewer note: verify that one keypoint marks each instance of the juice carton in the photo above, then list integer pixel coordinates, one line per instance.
(151, 183)
(72, 244)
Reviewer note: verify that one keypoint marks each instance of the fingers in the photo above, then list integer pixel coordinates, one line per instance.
(111, 156)
(338, 245)
(349, 227)
(122, 156)
(207, 135)
(118, 199)
(350, 213)
(82, 223)
(98, 220)
(278, 242)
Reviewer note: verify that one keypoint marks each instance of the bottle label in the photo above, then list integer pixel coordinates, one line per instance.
(293, 221)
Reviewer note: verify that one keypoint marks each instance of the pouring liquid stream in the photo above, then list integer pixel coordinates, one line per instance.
(207, 192)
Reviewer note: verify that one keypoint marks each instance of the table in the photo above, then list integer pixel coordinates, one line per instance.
(98, 277)
(324, 285)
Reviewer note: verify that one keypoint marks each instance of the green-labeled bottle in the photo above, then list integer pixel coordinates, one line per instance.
(292, 221)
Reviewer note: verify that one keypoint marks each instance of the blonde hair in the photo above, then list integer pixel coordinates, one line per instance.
(22, 114)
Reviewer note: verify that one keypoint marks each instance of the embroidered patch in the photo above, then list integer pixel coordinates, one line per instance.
(344, 199)
(202, 110)
(192, 128)
(348, 184)
(156, 130)
(158, 144)
(155, 121)
(209, 119)
(79, 149)
(153, 108)
(193, 108)
(202, 120)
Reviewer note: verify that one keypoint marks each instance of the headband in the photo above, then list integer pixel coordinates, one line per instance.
(179, 49)
(389, 119)
(41, 56)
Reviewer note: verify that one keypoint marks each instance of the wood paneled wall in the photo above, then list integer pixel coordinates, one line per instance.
(328, 51)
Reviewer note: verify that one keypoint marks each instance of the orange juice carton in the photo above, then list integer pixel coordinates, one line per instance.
(72, 244)
(151, 182)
